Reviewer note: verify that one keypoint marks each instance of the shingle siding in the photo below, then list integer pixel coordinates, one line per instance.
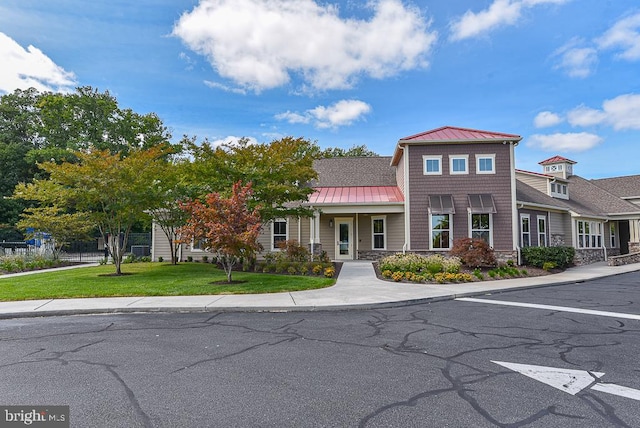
(498, 184)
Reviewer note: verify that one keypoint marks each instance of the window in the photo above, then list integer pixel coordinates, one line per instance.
(485, 164)
(432, 165)
(481, 227)
(441, 231)
(278, 232)
(589, 234)
(612, 235)
(458, 164)
(542, 231)
(379, 237)
(198, 245)
(558, 190)
(525, 230)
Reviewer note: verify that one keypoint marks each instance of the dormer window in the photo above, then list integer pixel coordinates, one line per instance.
(558, 190)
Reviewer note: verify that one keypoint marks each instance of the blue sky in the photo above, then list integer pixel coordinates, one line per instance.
(563, 74)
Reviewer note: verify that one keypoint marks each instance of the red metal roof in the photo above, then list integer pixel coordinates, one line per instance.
(556, 159)
(356, 195)
(452, 133)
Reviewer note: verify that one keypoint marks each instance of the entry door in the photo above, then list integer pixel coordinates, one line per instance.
(344, 238)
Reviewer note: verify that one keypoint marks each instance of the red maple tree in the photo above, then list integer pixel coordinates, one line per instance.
(224, 226)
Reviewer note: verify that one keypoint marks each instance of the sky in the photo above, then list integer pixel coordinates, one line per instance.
(563, 74)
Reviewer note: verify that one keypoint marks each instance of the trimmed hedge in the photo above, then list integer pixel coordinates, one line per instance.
(538, 256)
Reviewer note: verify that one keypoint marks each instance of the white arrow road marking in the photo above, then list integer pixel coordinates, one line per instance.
(567, 380)
(571, 381)
(553, 308)
(622, 391)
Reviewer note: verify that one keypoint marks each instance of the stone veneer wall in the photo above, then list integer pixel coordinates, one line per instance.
(501, 256)
(624, 259)
(586, 257)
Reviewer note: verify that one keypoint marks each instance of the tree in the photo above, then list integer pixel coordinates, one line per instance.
(169, 190)
(280, 172)
(112, 189)
(63, 227)
(224, 226)
(354, 151)
(43, 127)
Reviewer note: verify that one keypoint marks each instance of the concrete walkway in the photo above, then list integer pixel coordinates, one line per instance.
(357, 287)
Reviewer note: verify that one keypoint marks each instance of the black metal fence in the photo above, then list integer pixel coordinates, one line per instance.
(92, 250)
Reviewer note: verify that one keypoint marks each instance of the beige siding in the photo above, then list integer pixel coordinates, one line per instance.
(538, 183)
(400, 173)
(327, 235)
(159, 244)
(560, 228)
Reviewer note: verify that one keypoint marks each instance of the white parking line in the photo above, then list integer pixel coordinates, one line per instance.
(553, 308)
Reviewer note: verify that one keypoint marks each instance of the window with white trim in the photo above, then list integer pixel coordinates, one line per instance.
(441, 231)
(432, 165)
(612, 235)
(378, 233)
(482, 227)
(542, 231)
(279, 232)
(198, 245)
(525, 230)
(486, 164)
(458, 164)
(589, 234)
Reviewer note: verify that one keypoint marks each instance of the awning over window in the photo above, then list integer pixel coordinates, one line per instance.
(481, 204)
(441, 204)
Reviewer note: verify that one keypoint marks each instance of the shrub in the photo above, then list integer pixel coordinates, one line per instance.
(317, 269)
(160, 259)
(548, 266)
(387, 273)
(473, 252)
(292, 270)
(418, 264)
(397, 276)
(294, 251)
(478, 274)
(189, 258)
(537, 256)
(329, 272)
(205, 259)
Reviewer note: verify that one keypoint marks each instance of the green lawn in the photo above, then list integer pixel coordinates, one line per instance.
(149, 279)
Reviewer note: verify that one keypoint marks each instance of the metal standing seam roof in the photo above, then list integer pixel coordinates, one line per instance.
(356, 195)
(452, 133)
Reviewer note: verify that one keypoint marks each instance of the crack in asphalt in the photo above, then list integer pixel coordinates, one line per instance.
(380, 331)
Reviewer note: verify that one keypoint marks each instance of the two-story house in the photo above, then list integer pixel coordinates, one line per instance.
(445, 184)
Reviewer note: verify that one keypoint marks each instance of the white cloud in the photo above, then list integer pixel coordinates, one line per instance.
(545, 119)
(342, 113)
(22, 69)
(576, 60)
(231, 140)
(499, 13)
(260, 44)
(621, 112)
(624, 35)
(567, 142)
(226, 88)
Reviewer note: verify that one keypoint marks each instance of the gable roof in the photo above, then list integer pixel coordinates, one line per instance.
(623, 187)
(354, 171)
(585, 199)
(452, 134)
(557, 159)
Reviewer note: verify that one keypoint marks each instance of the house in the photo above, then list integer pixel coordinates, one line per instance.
(450, 183)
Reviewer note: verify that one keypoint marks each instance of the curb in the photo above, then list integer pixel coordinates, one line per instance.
(277, 309)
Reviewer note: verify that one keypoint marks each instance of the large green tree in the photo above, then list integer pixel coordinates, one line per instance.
(111, 189)
(279, 171)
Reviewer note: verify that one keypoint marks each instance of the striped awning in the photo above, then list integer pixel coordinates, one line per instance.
(481, 204)
(441, 204)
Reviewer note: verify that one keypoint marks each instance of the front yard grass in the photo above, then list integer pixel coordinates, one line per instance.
(149, 279)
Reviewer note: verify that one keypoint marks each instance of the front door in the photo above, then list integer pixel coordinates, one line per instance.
(344, 238)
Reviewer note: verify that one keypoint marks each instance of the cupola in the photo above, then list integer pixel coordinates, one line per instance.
(558, 166)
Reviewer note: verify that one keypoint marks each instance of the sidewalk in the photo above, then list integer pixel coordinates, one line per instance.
(356, 288)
